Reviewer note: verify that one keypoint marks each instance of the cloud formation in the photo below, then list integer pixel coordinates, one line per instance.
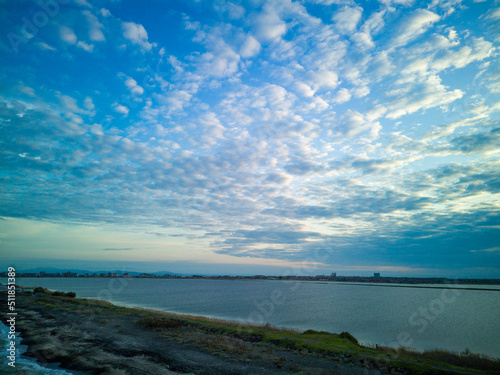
(339, 132)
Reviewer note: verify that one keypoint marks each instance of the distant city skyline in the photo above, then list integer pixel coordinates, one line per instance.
(261, 137)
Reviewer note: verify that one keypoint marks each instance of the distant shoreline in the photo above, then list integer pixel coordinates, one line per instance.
(376, 279)
(360, 283)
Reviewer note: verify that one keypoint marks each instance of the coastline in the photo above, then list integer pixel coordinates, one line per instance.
(97, 337)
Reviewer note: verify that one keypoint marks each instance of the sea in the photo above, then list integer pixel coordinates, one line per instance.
(444, 316)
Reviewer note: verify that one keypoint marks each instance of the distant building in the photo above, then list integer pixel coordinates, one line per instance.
(376, 275)
(334, 274)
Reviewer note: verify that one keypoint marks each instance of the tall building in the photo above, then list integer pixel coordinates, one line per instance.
(376, 275)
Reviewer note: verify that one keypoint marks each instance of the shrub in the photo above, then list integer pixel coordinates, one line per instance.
(39, 289)
(348, 336)
(160, 323)
(310, 332)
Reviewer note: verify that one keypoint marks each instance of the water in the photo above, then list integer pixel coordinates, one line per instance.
(394, 316)
(23, 365)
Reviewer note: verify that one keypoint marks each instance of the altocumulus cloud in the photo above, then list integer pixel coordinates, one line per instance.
(352, 134)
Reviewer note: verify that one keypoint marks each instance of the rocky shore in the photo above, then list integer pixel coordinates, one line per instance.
(96, 337)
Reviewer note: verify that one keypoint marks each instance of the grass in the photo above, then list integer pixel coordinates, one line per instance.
(41, 290)
(323, 343)
(464, 359)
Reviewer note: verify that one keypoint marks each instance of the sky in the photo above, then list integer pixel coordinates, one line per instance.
(251, 137)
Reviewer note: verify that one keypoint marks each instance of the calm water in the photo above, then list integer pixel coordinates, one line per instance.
(419, 318)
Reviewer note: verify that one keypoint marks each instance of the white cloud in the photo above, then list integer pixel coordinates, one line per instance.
(480, 50)
(95, 27)
(121, 109)
(83, 3)
(269, 26)
(250, 47)
(343, 95)
(105, 12)
(133, 86)
(174, 101)
(413, 26)
(427, 94)
(234, 11)
(85, 46)
(493, 14)
(399, 2)
(354, 124)
(70, 104)
(67, 34)
(26, 90)
(304, 89)
(88, 103)
(323, 78)
(137, 34)
(330, 2)
(45, 46)
(371, 27)
(347, 18)
(221, 61)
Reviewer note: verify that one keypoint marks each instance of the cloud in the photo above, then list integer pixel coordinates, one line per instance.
(137, 34)
(372, 26)
(26, 90)
(354, 124)
(343, 95)
(118, 249)
(105, 12)
(347, 18)
(399, 2)
(133, 86)
(426, 94)
(121, 109)
(493, 14)
(490, 250)
(95, 27)
(89, 105)
(484, 143)
(269, 27)
(250, 47)
(222, 62)
(85, 46)
(480, 50)
(413, 26)
(281, 136)
(67, 34)
(45, 46)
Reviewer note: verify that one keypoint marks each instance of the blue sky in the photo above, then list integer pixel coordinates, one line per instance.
(269, 137)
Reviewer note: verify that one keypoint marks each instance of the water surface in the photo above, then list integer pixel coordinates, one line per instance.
(422, 318)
